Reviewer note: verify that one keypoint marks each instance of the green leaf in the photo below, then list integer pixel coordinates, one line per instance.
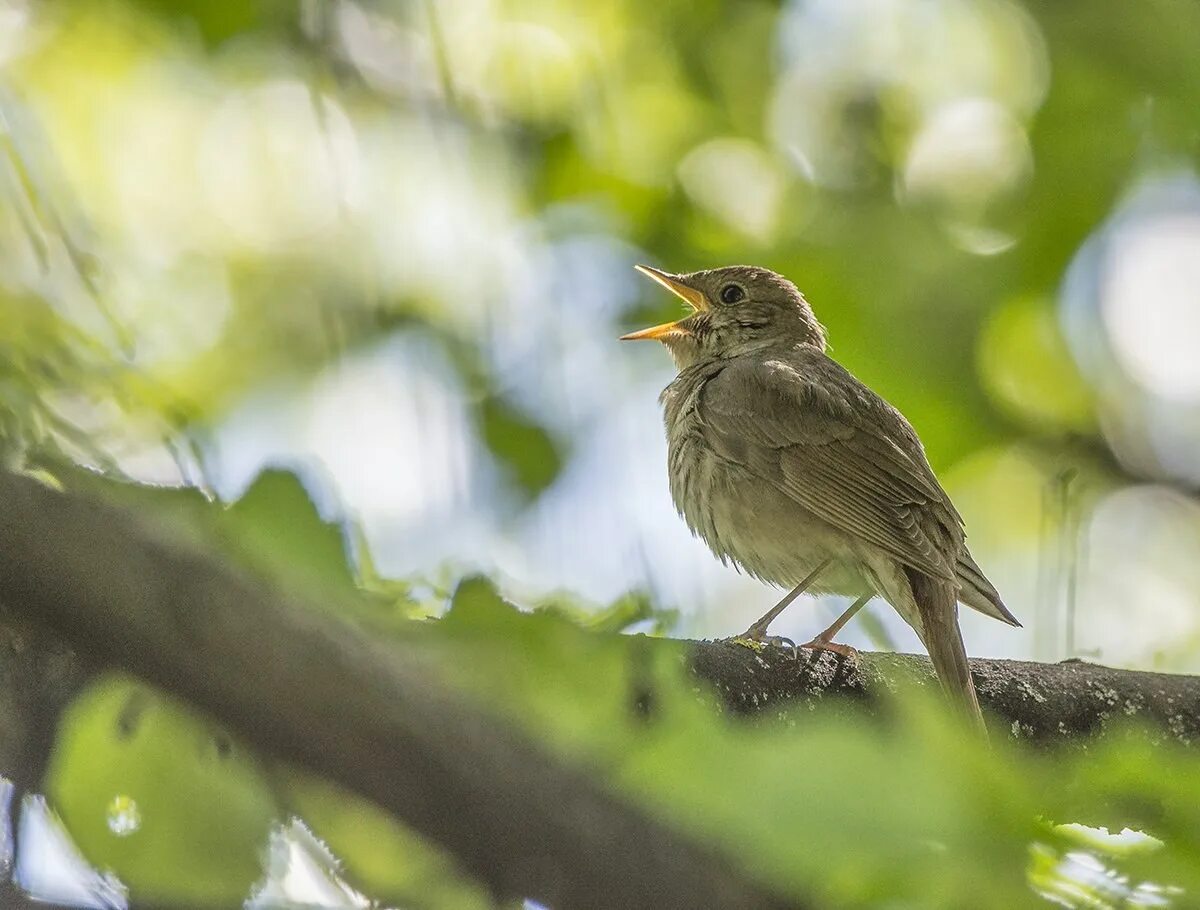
(276, 525)
(524, 449)
(381, 856)
(185, 512)
(171, 803)
(273, 529)
(477, 602)
(627, 610)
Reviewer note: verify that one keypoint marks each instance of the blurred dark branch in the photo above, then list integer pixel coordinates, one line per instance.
(39, 675)
(1065, 704)
(311, 689)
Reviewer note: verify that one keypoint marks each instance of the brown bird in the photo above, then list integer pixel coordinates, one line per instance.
(792, 469)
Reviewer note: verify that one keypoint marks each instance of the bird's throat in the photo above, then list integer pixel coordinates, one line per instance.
(685, 350)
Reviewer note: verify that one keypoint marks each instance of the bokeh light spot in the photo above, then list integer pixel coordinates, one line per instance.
(735, 180)
(1151, 304)
(1026, 368)
(965, 154)
(124, 817)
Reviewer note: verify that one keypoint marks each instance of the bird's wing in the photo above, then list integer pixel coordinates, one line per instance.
(804, 424)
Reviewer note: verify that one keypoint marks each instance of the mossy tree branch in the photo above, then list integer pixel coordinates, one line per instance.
(1048, 705)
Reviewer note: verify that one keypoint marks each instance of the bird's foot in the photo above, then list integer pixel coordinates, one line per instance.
(820, 644)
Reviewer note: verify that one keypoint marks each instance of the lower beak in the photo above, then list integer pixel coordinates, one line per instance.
(657, 332)
(689, 295)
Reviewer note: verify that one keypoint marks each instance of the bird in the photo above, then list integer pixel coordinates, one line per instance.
(796, 472)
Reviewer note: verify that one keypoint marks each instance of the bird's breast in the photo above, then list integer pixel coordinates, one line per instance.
(745, 520)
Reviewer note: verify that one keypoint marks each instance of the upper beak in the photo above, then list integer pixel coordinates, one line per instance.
(689, 295)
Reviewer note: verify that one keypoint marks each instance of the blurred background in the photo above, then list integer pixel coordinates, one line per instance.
(390, 245)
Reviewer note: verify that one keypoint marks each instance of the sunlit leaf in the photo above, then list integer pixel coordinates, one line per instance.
(276, 523)
(380, 856)
(172, 804)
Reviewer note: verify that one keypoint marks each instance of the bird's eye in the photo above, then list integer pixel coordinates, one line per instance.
(731, 293)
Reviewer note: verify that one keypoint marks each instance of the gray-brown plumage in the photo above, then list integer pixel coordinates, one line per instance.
(788, 466)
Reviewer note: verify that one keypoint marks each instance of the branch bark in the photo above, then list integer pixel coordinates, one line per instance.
(1067, 704)
(313, 690)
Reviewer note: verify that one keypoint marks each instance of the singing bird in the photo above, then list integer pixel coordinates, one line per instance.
(791, 468)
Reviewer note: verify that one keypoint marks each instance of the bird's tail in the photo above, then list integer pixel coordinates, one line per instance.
(937, 601)
(979, 593)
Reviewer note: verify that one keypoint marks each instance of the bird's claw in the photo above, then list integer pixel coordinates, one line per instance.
(757, 641)
(848, 652)
(781, 641)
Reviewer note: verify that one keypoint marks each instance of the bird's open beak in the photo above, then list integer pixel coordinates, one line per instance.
(688, 295)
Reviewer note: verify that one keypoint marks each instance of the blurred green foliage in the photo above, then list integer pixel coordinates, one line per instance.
(1025, 365)
(273, 528)
(377, 853)
(202, 200)
(637, 115)
(523, 447)
(637, 92)
(831, 807)
(217, 21)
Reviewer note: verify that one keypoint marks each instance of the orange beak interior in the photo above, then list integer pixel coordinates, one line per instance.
(688, 295)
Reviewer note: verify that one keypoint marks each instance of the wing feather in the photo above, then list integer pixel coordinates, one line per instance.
(821, 437)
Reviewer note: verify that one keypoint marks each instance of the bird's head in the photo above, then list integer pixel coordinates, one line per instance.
(736, 310)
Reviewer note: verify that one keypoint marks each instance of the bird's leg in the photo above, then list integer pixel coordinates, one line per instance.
(825, 642)
(758, 631)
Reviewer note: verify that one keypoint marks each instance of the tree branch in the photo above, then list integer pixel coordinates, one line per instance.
(39, 675)
(1064, 704)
